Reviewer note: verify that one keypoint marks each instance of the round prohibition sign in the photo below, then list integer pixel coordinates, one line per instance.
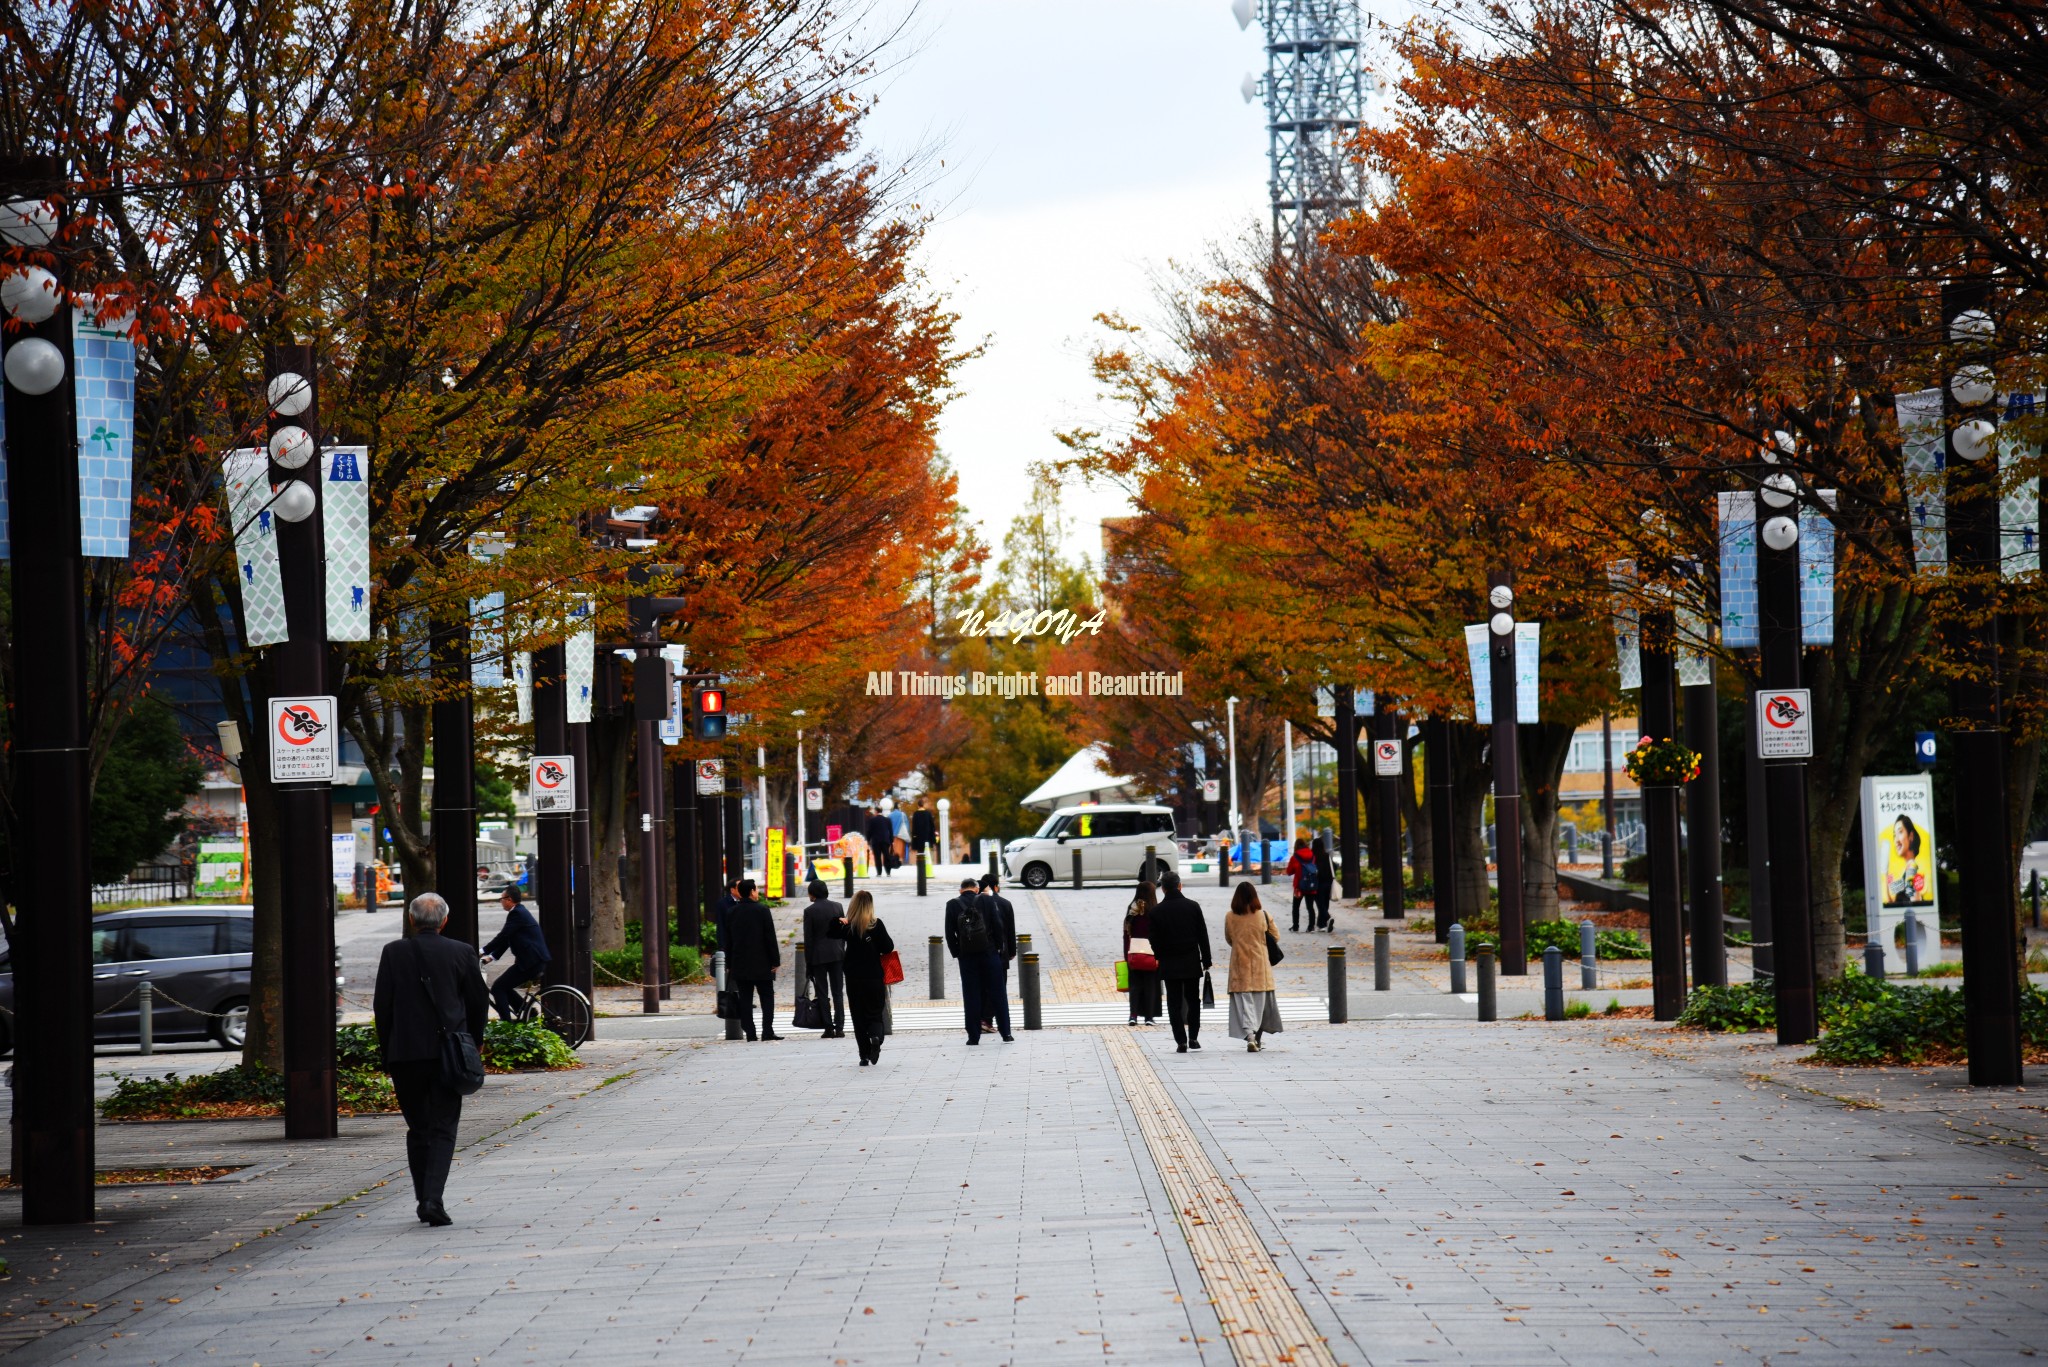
(299, 725)
(1386, 749)
(549, 774)
(1782, 711)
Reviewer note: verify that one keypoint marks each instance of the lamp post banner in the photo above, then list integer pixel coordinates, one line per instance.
(247, 474)
(104, 361)
(2019, 509)
(1921, 435)
(1738, 514)
(1528, 652)
(345, 522)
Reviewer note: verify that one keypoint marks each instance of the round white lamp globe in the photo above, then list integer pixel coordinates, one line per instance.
(30, 295)
(1972, 325)
(1779, 490)
(1501, 596)
(293, 501)
(27, 223)
(291, 447)
(290, 394)
(1781, 533)
(34, 366)
(1972, 440)
(1972, 385)
(1503, 624)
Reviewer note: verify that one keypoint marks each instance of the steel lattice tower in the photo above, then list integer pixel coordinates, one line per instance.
(1315, 90)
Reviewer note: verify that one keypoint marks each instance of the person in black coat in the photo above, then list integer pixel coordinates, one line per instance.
(751, 959)
(924, 833)
(881, 835)
(1326, 880)
(529, 954)
(1002, 919)
(825, 955)
(1180, 941)
(971, 938)
(725, 904)
(866, 940)
(425, 985)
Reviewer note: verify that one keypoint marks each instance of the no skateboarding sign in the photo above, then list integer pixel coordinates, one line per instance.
(1386, 758)
(1784, 723)
(552, 783)
(710, 777)
(302, 732)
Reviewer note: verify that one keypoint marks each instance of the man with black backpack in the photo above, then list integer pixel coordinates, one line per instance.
(971, 940)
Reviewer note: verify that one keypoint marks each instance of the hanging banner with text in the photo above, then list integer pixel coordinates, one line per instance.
(345, 523)
(247, 474)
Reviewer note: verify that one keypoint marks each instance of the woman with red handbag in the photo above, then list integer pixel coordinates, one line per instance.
(1141, 965)
(869, 955)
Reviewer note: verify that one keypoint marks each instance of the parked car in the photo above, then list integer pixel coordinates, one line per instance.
(1111, 839)
(195, 956)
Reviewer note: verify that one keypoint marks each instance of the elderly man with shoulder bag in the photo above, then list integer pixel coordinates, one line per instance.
(430, 1008)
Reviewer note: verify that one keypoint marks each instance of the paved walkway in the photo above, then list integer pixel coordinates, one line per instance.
(1389, 1191)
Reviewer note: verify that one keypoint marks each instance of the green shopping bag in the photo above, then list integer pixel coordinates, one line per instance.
(1123, 976)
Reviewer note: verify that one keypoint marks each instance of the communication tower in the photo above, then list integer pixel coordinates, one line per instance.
(1315, 88)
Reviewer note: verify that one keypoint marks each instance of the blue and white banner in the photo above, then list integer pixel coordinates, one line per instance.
(579, 665)
(345, 513)
(246, 473)
(1923, 450)
(2019, 510)
(103, 363)
(1528, 651)
(1739, 618)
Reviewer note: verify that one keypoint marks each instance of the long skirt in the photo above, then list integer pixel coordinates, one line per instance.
(1254, 1012)
(1145, 995)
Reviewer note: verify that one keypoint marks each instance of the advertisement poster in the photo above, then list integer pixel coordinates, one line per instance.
(1899, 863)
(774, 870)
(345, 864)
(219, 870)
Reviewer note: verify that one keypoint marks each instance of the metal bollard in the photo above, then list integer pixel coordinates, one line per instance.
(1912, 944)
(1382, 958)
(1023, 942)
(1340, 1006)
(789, 873)
(1222, 863)
(1589, 957)
(1457, 938)
(935, 967)
(1487, 1009)
(922, 871)
(1265, 860)
(797, 974)
(732, 1020)
(1150, 869)
(993, 856)
(1873, 960)
(848, 868)
(1077, 870)
(1027, 988)
(1553, 983)
(145, 1005)
(888, 1012)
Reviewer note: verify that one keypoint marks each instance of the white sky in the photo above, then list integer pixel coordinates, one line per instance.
(1088, 144)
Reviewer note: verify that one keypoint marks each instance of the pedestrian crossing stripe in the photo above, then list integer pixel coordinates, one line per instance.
(1077, 1015)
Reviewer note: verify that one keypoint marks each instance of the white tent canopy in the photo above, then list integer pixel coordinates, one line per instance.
(1083, 778)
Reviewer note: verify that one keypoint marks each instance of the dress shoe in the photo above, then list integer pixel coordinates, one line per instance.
(973, 1042)
(1180, 1048)
(434, 1213)
(1009, 1039)
(769, 1037)
(1194, 1044)
(863, 1063)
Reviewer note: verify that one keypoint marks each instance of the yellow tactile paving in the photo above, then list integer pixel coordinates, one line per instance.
(1262, 1320)
(1075, 980)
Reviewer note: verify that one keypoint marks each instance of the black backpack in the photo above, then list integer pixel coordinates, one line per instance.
(973, 933)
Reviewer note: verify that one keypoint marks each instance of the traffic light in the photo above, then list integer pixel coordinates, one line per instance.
(710, 713)
(645, 611)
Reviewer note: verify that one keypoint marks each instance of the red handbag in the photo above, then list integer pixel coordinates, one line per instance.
(892, 967)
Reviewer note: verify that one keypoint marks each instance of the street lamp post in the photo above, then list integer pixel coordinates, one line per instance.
(1387, 727)
(53, 1102)
(1346, 726)
(1230, 711)
(1779, 637)
(1287, 751)
(554, 830)
(1507, 770)
(1441, 777)
(1660, 820)
(454, 724)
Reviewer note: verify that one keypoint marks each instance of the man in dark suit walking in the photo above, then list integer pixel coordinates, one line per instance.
(824, 956)
(1180, 940)
(971, 940)
(924, 832)
(752, 959)
(426, 984)
(1002, 921)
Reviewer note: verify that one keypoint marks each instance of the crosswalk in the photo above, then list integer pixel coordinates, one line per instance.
(1076, 1015)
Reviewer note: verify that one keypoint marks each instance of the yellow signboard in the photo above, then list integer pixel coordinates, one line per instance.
(774, 869)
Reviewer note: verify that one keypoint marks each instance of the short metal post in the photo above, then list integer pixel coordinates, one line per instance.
(888, 1011)
(798, 976)
(1223, 861)
(846, 868)
(1265, 860)
(1457, 938)
(921, 872)
(935, 966)
(1912, 944)
(1873, 960)
(732, 1018)
(1553, 983)
(1340, 1007)
(145, 1004)
(1382, 958)
(1589, 956)
(1151, 868)
(1023, 942)
(1487, 1009)
(789, 888)
(1077, 869)
(993, 855)
(1027, 987)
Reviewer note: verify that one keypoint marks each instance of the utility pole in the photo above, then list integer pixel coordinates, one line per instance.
(454, 772)
(554, 828)
(1703, 830)
(1659, 720)
(1780, 638)
(53, 1102)
(652, 705)
(1507, 770)
(1387, 727)
(1607, 794)
(1346, 728)
(1440, 777)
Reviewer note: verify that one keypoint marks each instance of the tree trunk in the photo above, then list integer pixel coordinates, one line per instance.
(1474, 777)
(1414, 811)
(265, 1041)
(1545, 747)
(611, 751)
(393, 736)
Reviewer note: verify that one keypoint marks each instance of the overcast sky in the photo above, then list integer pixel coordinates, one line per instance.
(1087, 144)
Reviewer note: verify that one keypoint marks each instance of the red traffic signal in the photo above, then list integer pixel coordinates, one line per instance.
(710, 713)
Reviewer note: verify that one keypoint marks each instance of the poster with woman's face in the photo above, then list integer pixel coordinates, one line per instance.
(1898, 834)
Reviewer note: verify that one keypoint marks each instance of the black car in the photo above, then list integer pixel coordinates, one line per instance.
(195, 957)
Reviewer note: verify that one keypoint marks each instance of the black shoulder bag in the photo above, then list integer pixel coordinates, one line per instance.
(462, 1066)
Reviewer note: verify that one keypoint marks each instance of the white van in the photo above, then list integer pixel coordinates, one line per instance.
(1111, 838)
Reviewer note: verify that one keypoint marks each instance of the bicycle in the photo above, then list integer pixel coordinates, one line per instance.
(560, 1007)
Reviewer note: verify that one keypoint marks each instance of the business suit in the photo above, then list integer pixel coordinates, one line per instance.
(825, 958)
(1002, 924)
(1180, 941)
(750, 963)
(529, 957)
(424, 984)
(980, 964)
(866, 990)
(881, 835)
(924, 832)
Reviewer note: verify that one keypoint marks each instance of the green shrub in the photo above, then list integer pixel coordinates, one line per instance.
(524, 1044)
(1902, 1025)
(1578, 1010)
(621, 967)
(244, 1084)
(355, 1046)
(1635, 868)
(1734, 1008)
(1541, 935)
(1613, 1007)
(1620, 944)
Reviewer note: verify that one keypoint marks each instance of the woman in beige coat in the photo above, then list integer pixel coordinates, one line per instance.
(1254, 1011)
